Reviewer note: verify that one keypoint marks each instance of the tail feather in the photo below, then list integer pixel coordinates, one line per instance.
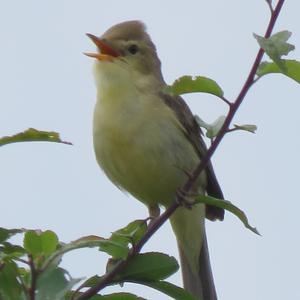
(191, 281)
(206, 275)
(202, 284)
(189, 228)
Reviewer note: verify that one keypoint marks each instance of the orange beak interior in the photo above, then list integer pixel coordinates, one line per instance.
(106, 52)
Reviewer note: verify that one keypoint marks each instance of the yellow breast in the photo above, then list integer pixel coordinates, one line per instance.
(139, 143)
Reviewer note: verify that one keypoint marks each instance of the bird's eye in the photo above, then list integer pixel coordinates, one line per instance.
(133, 49)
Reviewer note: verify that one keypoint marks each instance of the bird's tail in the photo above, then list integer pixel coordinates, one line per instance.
(202, 283)
(189, 229)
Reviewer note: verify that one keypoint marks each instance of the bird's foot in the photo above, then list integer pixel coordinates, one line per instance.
(185, 199)
(154, 213)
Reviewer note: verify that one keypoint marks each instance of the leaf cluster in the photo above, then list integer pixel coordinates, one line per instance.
(33, 267)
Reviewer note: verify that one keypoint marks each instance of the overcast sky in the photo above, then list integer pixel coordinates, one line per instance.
(46, 83)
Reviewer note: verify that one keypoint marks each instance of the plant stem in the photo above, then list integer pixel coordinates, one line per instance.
(236, 104)
(32, 288)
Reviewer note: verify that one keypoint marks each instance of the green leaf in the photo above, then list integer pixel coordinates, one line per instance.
(171, 290)
(227, 205)
(40, 243)
(5, 234)
(10, 287)
(8, 250)
(148, 267)
(246, 127)
(197, 84)
(292, 69)
(49, 241)
(117, 244)
(84, 242)
(91, 281)
(114, 296)
(89, 241)
(276, 46)
(32, 242)
(213, 129)
(132, 233)
(53, 284)
(33, 135)
(118, 296)
(165, 287)
(115, 249)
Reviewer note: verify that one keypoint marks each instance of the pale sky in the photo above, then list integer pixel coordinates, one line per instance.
(47, 84)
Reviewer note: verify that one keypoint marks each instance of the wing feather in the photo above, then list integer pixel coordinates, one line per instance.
(194, 135)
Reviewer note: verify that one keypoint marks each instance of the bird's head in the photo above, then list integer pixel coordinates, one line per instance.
(127, 49)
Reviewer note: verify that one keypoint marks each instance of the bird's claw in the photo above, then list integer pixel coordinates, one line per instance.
(184, 199)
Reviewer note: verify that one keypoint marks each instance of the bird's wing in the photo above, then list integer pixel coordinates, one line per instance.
(194, 135)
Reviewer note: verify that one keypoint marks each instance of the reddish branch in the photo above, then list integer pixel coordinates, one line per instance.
(33, 272)
(233, 107)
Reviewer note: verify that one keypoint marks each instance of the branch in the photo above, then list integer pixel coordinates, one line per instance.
(236, 104)
(157, 223)
(269, 2)
(33, 271)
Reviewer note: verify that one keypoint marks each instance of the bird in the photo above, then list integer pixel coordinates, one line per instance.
(147, 142)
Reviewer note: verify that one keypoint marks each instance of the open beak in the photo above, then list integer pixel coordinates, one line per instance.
(107, 53)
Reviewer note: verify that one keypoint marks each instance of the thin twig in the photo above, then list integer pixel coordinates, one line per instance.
(226, 101)
(108, 277)
(269, 2)
(232, 129)
(21, 260)
(33, 272)
(236, 104)
(23, 285)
